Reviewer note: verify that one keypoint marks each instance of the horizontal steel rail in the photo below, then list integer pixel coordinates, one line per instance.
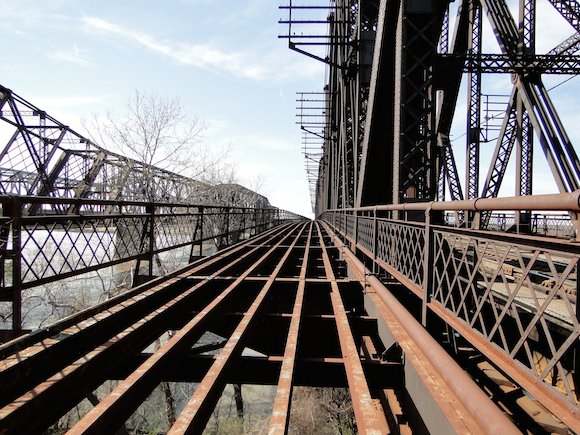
(541, 224)
(41, 156)
(279, 293)
(513, 297)
(43, 248)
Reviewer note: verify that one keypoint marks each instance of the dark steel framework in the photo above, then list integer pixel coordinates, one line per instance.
(393, 87)
(285, 295)
(378, 295)
(43, 157)
(388, 164)
(70, 207)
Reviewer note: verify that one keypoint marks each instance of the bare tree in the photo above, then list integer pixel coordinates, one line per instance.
(156, 131)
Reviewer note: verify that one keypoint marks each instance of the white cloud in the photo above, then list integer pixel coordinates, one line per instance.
(22, 16)
(51, 103)
(76, 56)
(271, 66)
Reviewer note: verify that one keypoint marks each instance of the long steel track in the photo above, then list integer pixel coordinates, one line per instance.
(285, 295)
(259, 285)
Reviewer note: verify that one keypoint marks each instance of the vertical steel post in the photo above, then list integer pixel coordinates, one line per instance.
(577, 346)
(243, 223)
(151, 245)
(201, 217)
(355, 235)
(375, 239)
(16, 213)
(524, 149)
(428, 258)
(474, 108)
(254, 223)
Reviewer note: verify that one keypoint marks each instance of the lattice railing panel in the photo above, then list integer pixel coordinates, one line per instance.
(175, 230)
(401, 246)
(59, 247)
(96, 234)
(349, 222)
(553, 225)
(520, 298)
(366, 233)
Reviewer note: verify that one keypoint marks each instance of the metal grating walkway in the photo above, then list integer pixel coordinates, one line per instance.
(284, 295)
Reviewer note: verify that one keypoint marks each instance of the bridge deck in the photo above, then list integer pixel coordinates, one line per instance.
(285, 312)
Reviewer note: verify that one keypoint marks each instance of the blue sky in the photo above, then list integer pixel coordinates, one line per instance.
(551, 29)
(221, 57)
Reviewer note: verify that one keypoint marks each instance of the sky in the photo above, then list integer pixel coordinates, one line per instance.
(551, 29)
(222, 58)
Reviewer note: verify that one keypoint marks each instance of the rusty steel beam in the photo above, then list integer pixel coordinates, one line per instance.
(324, 372)
(23, 371)
(29, 357)
(118, 406)
(551, 400)
(470, 410)
(366, 409)
(281, 410)
(549, 202)
(194, 416)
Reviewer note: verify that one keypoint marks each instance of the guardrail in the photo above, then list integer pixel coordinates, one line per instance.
(45, 247)
(512, 296)
(541, 224)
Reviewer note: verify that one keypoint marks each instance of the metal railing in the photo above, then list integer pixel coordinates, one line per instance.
(541, 224)
(45, 247)
(512, 296)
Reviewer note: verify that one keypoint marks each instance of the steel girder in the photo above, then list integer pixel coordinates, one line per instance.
(349, 78)
(376, 167)
(44, 157)
(415, 155)
(403, 137)
(554, 140)
(447, 101)
(570, 10)
(349, 43)
(399, 159)
(473, 103)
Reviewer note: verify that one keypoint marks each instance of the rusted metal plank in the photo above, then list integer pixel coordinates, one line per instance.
(370, 418)
(194, 416)
(265, 370)
(117, 406)
(281, 409)
(464, 404)
(540, 391)
(24, 369)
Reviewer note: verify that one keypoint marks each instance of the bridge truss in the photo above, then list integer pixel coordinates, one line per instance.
(411, 289)
(389, 110)
(409, 116)
(43, 157)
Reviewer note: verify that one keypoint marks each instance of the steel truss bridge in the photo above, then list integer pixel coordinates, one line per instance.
(440, 305)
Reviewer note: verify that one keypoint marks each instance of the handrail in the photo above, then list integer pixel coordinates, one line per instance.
(48, 246)
(480, 282)
(553, 202)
